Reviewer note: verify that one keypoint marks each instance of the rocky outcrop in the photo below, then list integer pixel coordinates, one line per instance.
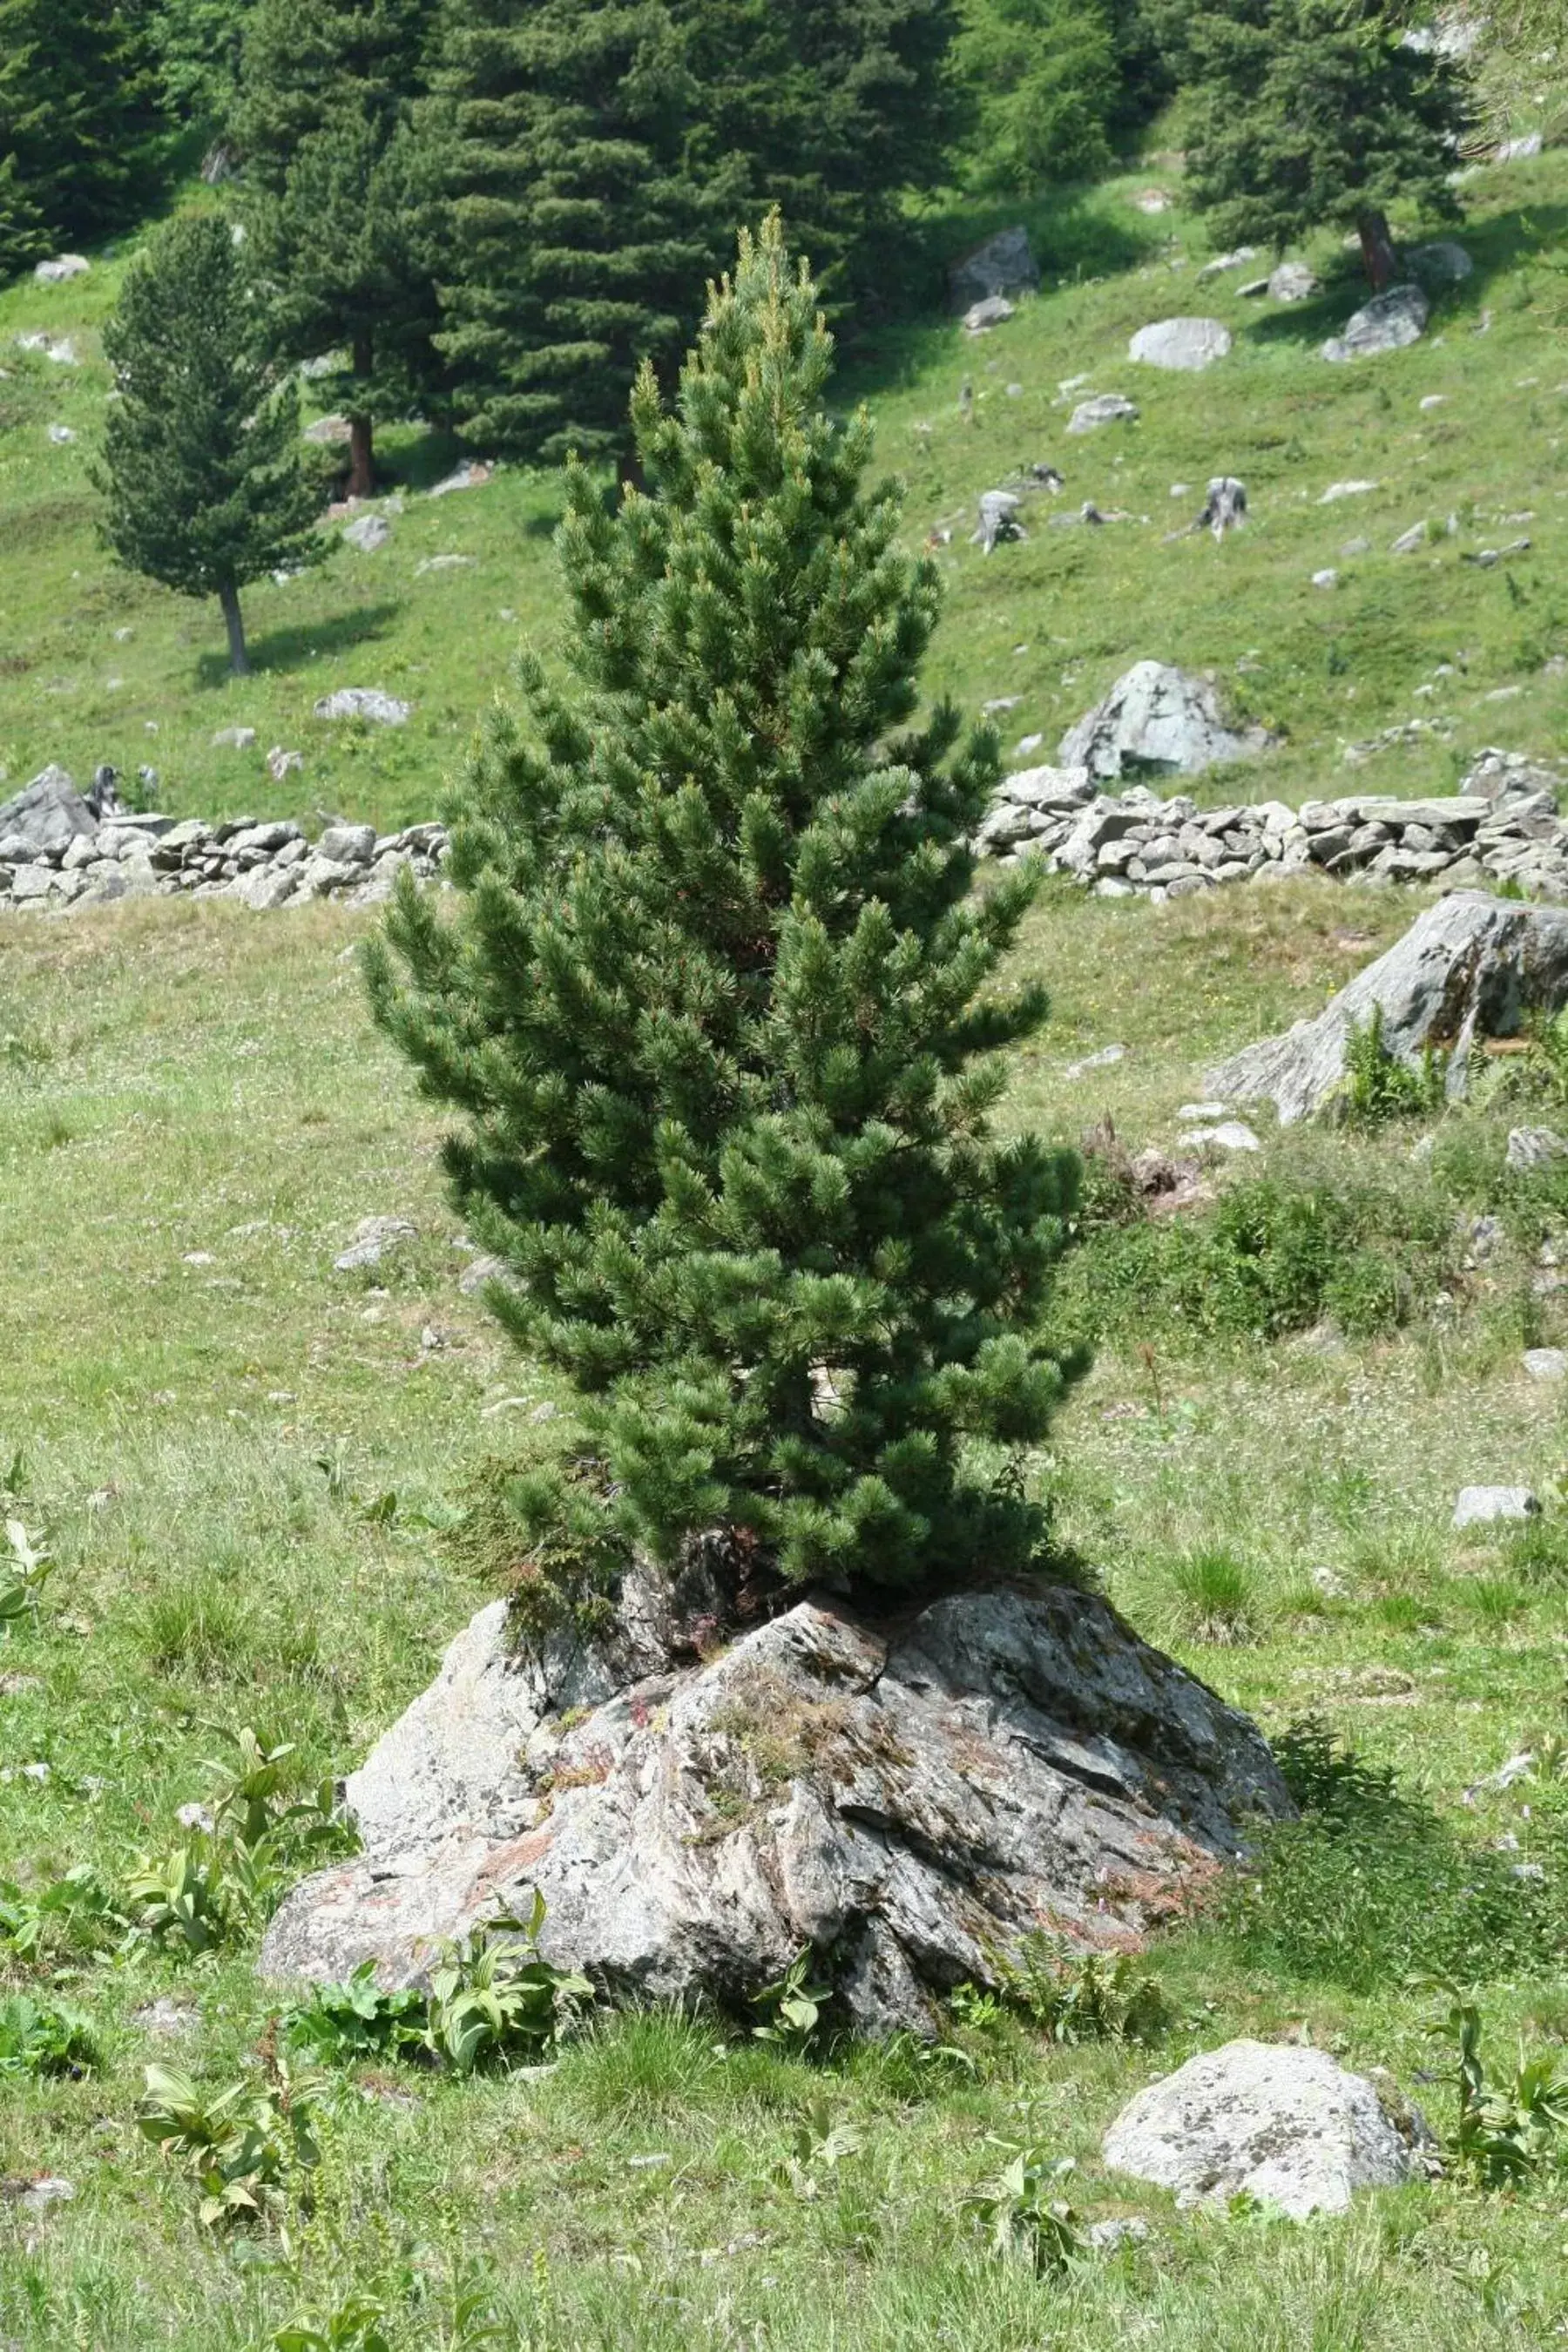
(905, 1803)
(1287, 2126)
(54, 853)
(1005, 263)
(1156, 721)
(1502, 826)
(1470, 967)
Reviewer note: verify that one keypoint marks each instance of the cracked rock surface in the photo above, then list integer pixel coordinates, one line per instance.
(905, 1802)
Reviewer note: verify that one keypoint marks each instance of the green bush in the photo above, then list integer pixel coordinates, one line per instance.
(1271, 1256)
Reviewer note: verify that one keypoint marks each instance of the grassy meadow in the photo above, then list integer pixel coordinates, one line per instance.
(245, 1465)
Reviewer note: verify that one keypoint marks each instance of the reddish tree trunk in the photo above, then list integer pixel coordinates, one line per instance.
(1377, 254)
(361, 451)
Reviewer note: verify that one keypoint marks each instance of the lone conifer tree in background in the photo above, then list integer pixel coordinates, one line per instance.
(714, 1007)
(1314, 113)
(202, 471)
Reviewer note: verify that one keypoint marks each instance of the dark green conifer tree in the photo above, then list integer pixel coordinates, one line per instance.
(835, 110)
(580, 235)
(78, 115)
(336, 200)
(202, 476)
(717, 1005)
(1307, 114)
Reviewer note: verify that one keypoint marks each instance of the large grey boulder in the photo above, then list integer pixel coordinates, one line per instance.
(905, 1802)
(1387, 324)
(1004, 264)
(47, 813)
(1155, 720)
(1469, 967)
(1292, 281)
(1187, 345)
(1442, 263)
(1286, 2124)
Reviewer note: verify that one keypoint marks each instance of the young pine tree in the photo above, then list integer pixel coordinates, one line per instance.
(579, 233)
(1043, 82)
(336, 197)
(716, 1005)
(1309, 114)
(202, 476)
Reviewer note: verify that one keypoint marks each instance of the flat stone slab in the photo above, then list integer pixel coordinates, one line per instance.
(1286, 2124)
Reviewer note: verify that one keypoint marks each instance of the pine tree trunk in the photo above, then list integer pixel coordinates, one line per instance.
(1378, 258)
(362, 455)
(234, 620)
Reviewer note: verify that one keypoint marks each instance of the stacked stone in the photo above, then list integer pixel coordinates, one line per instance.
(55, 852)
(1501, 826)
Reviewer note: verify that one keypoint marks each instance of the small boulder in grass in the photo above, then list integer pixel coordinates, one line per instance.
(1546, 1363)
(1485, 1506)
(1284, 2123)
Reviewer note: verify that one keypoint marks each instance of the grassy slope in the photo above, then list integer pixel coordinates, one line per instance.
(181, 1081)
(1323, 665)
(193, 1114)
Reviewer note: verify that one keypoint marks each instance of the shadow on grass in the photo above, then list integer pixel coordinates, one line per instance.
(290, 648)
(1497, 246)
(1370, 1887)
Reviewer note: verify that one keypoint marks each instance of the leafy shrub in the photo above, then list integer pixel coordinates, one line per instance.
(1271, 1256)
(39, 2039)
(343, 2022)
(247, 2148)
(1023, 2218)
(791, 2007)
(1377, 1086)
(25, 1569)
(1506, 2131)
(492, 1996)
(79, 1912)
(1080, 1996)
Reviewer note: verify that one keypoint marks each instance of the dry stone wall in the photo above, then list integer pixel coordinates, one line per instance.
(1501, 826)
(58, 850)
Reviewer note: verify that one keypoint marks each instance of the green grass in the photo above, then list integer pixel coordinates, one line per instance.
(1050, 622)
(240, 1460)
(1278, 1513)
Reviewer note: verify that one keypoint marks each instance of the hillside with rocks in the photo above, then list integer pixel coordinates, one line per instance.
(783, 1508)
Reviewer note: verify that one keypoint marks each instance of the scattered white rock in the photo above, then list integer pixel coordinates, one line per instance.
(1387, 324)
(1104, 408)
(49, 2190)
(1327, 578)
(329, 432)
(445, 564)
(1534, 1147)
(470, 477)
(991, 311)
(1153, 200)
(1004, 264)
(1229, 1135)
(59, 348)
(60, 435)
(367, 533)
(1292, 281)
(61, 270)
(374, 1238)
(1107, 1055)
(1286, 2124)
(234, 738)
(1519, 150)
(1484, 1506)
(1546, 1363)
(1185, 345)
(1202, 1110)
(1337, 490)
(367, 703)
